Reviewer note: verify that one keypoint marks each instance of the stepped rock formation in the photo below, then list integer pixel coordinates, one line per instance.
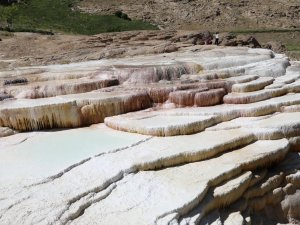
(197, 136)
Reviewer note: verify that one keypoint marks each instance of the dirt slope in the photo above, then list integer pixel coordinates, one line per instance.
(219, 14)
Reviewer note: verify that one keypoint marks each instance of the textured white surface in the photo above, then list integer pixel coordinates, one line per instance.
(157, 164)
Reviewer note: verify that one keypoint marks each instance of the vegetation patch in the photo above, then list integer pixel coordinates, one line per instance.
(293, 47)
(293, 51)
(61, 15)
(264, 31)
(122, 15)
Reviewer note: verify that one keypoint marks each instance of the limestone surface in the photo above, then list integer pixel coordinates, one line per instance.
(187, 137)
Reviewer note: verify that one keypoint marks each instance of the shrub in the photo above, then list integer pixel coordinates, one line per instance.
(118, 14)
(125, 17)
(122, 15)
(9, 2)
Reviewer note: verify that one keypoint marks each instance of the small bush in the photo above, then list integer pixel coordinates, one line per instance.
(125, 17)
(6, 2)
(122, 15)
(118, 14)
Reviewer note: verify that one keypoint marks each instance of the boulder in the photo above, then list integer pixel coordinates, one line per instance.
(275, 46)
(239, 40)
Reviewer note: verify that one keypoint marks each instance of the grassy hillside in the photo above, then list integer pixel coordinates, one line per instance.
(59, 15)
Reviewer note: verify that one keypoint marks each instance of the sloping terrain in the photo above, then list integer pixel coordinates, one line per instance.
(205, 14)
(48, 16)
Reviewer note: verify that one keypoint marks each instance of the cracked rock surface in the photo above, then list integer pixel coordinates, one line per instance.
(190, 137)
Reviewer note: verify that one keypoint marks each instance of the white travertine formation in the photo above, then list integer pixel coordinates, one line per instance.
(255, 85)
(189, 137)
(255, 96)
(159, 125)
(68, 111)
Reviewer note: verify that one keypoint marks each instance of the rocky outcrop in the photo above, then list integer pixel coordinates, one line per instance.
(189, 137)
(5, 131)
(241, 40)
(275, 46)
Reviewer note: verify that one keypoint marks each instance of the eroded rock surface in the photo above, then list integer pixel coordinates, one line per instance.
(188, 137)
(202, 14)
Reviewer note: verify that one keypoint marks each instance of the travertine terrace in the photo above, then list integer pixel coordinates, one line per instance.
(197, 136)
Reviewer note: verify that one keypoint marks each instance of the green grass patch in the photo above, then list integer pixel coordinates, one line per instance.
(293, 47)
(59, 15)
(264, 31)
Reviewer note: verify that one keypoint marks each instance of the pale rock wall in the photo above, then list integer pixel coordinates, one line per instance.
(185, 98)
(41, 117)
(210, 98)
(51, 90)
(68, 112)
